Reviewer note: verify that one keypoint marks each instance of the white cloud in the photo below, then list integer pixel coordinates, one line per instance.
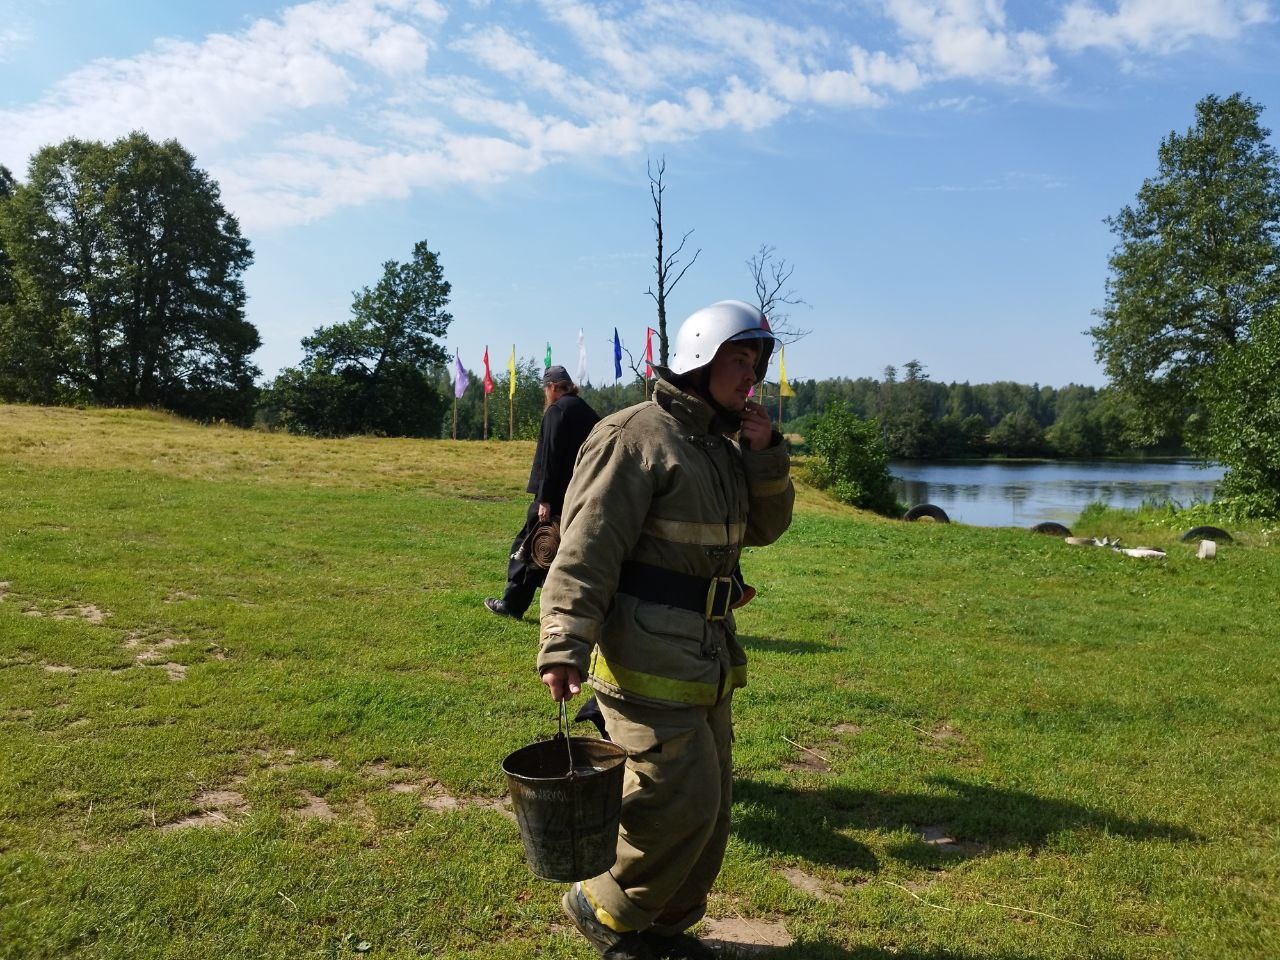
(637, 64)
(334, 103)
(11, 38)
(220, 89)
(1156, 25)
(970, 39)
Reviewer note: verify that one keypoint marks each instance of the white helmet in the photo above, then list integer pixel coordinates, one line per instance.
(701, 335)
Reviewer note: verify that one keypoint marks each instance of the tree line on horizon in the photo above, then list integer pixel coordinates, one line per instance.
(919, 418)
(120, 285)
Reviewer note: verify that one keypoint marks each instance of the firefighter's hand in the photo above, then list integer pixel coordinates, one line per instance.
(563, 682)
(544, 511)
(757, 428)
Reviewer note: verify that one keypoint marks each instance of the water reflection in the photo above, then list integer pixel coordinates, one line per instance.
(1004, 494)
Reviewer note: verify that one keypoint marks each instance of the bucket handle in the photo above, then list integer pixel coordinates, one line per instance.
(563, 733)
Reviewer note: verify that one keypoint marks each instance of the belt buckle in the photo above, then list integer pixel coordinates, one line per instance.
(713, 590)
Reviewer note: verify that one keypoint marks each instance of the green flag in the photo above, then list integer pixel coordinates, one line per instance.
(546, 361)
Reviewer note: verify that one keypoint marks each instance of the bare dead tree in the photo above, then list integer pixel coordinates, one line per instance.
(772, 274)
(665, 264)
(634, 365)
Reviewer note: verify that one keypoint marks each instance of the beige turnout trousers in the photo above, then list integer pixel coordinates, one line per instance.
(676, 796)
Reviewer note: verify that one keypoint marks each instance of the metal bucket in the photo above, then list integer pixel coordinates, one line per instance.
(567, 795)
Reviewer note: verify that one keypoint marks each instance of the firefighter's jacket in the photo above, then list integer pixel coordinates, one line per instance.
(658, 483)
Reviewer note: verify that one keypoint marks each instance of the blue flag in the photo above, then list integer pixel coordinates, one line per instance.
(617, 356)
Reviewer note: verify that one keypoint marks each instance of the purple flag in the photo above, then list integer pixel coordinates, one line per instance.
(459, 376)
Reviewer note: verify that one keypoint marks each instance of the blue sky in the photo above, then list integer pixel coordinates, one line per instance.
(937, 171)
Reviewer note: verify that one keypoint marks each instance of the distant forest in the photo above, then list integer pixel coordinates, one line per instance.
(921, 419)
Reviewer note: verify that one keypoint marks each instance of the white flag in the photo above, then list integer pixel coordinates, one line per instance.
(582, 357)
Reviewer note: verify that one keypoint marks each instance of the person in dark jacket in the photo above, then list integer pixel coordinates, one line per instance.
(566, 421)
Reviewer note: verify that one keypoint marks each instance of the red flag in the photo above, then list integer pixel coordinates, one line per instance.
(648, 352)
(488, 377)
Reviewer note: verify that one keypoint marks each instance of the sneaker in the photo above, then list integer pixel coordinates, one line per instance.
(679, 946)
(608, 943)
(499, 607)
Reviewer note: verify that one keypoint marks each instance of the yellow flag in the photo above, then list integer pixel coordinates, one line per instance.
(511, 369)
(784, 388)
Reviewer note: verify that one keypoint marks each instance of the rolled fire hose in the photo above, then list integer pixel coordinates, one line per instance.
(542, 544)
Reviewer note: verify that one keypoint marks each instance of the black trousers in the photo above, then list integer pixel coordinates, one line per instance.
(523, 578)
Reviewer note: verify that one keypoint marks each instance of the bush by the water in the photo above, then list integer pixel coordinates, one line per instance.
(851, 461)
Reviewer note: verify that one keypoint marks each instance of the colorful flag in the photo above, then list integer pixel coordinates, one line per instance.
(617, 355)
(648, 352)
(488, 377)
(511, 369)
(459, 376)
(582, 357)
(784, 388)
(546, 361)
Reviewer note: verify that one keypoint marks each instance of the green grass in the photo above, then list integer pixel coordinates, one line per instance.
(296, 625)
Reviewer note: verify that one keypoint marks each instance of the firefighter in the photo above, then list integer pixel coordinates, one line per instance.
(639, 602)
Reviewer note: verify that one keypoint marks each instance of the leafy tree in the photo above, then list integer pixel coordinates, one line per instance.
(1018, 435)
(7, 187)
(377, 372)
(1241, 392)
(850, 459)
(1196, 266)
(126, 283)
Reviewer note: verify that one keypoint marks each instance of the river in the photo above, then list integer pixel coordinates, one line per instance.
(1001, 493)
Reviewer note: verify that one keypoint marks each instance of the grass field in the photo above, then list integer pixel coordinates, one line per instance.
(252, 707)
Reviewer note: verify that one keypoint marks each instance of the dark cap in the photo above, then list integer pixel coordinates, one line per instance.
(556, 374)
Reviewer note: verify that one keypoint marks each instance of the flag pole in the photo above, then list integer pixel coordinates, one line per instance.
(486, 416)
(455, 417)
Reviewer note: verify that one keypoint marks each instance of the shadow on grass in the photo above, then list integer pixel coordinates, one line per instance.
(776, 645)
(961, 820)
(823, 950)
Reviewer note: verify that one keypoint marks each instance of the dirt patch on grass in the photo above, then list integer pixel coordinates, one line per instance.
(179, 596)
(939, 837)
(150, 651)
(815, 887)
(847, 729)
(89, 612)
(942, 736)
(4, 590)
(808, 763)
(216, 810)
(434, 794)
(60, 668)
(738, 936)
(288, 759)
(315, 808)
(436, 797)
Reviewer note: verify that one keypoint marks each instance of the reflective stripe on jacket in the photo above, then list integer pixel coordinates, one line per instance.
(654, 484)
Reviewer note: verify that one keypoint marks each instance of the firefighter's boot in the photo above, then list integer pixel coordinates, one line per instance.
(608, 943)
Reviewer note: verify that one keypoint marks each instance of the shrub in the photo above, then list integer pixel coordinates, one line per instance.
(849, 459)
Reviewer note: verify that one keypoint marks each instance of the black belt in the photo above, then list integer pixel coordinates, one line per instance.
(710, 596)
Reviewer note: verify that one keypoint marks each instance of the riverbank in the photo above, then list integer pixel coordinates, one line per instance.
(252, 706)
(1022, 493)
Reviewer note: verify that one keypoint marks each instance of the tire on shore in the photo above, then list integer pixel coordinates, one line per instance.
(1217, 534)
(937, 514)
(1051, 527)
